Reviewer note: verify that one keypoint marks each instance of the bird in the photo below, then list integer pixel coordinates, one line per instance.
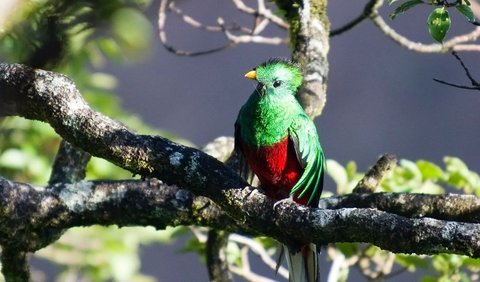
(277, 141)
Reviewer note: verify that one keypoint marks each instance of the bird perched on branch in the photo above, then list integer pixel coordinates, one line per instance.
(280, 145)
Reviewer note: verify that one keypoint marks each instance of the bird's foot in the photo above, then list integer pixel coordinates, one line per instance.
(286, 200)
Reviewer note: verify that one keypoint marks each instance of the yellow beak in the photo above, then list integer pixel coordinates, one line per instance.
(251, 74)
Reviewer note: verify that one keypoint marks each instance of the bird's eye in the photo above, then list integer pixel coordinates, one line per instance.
(277, 83)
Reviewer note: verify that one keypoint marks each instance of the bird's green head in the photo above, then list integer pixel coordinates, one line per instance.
(276, 76)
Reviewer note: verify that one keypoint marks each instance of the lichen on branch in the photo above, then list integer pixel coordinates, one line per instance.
(197, 189)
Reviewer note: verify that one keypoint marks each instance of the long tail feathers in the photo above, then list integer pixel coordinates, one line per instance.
(303, 265)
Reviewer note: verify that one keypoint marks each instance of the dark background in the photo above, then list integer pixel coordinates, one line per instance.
(381, 97)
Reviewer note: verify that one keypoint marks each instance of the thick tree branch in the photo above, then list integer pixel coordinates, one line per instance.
(217, 263)
(45, 210)
(37, 215)
(69, 167)
(32, 216)
(450, 207)
(14, 265)
(310, 29)
(70, 164)
(53, 98)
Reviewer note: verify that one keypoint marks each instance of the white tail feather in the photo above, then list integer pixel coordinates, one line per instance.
(303, 265)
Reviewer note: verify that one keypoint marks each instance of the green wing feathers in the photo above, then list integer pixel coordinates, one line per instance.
(310, 154)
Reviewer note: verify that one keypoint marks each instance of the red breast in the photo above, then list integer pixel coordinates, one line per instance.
(277, 168)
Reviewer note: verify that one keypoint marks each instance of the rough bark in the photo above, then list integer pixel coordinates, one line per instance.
(70, 164)
(309, 36)
(33, 217)
(450, 207)
(217, 263)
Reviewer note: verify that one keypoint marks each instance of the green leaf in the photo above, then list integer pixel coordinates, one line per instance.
(351, 169)
(14, 158)
(466, 11)
(195, 246)
(123, 265)
(454, 164)
(348, 249)
(404, 7)
(438, 24)
(234, 253)
(460, 177)
(267, 243)
(110, 48)
(440, 263)
(428, 279)
(411, 262)
(339, 175)
(411, 170)
(133, 31)
(103, 81)
(430, 187)
(472, 262)
(429, 170)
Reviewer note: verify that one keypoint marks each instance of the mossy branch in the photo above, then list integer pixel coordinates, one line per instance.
(392, 221)
(396, 222)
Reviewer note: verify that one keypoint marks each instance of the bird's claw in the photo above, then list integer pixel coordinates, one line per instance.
(289, 199)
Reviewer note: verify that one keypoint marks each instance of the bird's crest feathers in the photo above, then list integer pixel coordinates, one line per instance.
(280, 69)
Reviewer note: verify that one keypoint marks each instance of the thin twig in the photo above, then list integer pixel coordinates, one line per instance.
(384, 266)
(475, 84)
(263, 17)
(191, 21)
(247, 274)
(467, 72)
(371, 7)
(373, 178)
(338, 264)
(258, 249)
(395, 273)
(254, 37)
(467, 48)
(236, 39)
(197, 24)
(456, 85)
(261, 11)
(452, 44)
(199, 234)
(162, 16)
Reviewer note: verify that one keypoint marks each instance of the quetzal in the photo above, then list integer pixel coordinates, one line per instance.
(280, 144)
